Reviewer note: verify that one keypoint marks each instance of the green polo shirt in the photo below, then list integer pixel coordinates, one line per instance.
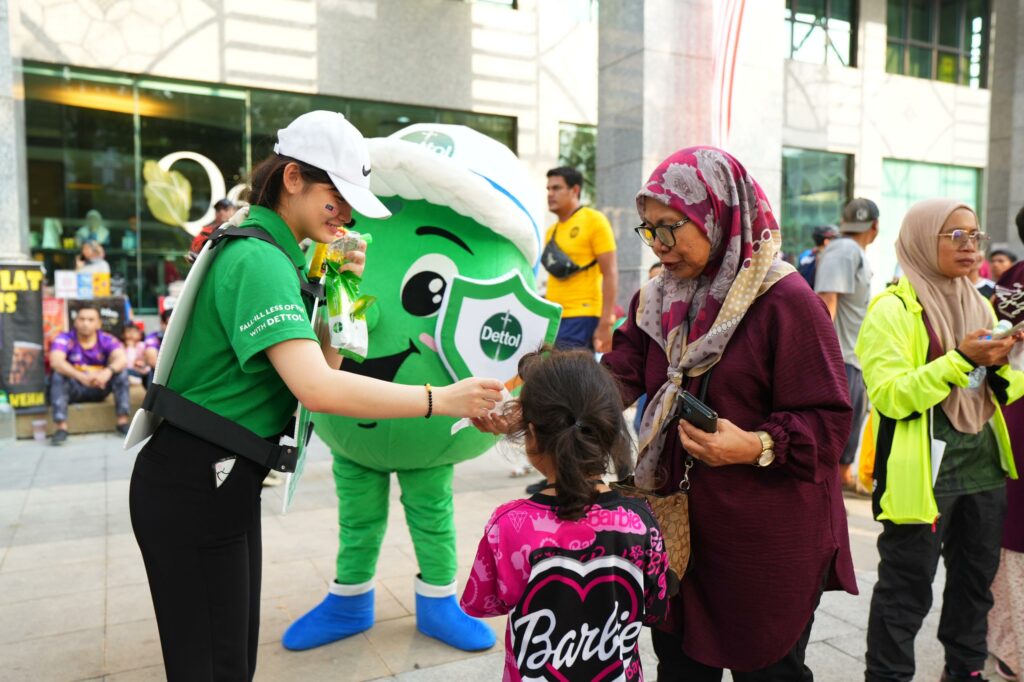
(249, 301)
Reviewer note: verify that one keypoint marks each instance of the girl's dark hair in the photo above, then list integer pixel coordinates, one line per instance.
(575, 409)
(268, 178)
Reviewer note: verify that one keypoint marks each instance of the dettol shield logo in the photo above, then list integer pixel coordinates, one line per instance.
(486, 326)
(439, 143)
(501, 336)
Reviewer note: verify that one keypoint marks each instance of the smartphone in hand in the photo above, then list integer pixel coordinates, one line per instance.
(1008, 332)
(695, 411)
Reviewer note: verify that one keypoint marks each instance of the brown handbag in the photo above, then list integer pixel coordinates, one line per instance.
(672, 512)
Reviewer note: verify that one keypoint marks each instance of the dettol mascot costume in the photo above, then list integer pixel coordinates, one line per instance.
(457, 203)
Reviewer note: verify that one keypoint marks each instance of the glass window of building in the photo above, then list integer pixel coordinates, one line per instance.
(815, 189)
(577, 147)
(137, 162)
(822, 31)
(944, 40)
(904, 184)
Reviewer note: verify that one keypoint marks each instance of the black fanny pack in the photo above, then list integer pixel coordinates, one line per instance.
(557, 262)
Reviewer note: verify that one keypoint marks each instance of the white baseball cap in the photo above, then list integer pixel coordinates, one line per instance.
(326, 140)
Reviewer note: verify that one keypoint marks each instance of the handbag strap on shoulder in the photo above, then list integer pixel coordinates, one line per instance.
(702, 392)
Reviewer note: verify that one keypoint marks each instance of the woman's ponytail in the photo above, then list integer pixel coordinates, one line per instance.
(574, 487)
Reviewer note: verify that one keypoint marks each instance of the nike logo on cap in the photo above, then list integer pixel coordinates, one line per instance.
(366, 171)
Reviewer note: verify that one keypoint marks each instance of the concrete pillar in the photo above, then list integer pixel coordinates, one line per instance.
(1006, 127)
(620, 131)
(677, 73)
(14, 244)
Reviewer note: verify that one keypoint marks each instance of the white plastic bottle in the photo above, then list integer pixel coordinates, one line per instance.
(8, 427)
(1002, 327)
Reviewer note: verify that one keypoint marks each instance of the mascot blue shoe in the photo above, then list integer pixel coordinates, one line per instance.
(347, 610)
(438, 615)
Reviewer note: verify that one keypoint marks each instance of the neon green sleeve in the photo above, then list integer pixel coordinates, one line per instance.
(898, 386)
(1015, 389)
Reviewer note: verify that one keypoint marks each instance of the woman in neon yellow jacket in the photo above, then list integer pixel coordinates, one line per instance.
(935, 378)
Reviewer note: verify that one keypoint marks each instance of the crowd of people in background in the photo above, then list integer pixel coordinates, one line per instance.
(797, 376)
(792, 360)
(88, 364)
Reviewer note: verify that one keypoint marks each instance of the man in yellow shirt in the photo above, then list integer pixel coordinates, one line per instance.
(579, 256)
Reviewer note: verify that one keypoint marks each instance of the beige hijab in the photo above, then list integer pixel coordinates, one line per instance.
(954, 307)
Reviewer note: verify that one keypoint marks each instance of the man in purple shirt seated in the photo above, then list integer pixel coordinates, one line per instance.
(88, 364)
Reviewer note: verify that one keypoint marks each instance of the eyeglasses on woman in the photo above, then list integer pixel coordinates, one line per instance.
(664, 233)
(961, 238)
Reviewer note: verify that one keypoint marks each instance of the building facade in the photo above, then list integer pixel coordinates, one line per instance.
(889, 99)
(893, 105)
(822, 100)
(122, 99)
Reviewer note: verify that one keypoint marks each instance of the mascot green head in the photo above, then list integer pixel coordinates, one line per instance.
(457, 200)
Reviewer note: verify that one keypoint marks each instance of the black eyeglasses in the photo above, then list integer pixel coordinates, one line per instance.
(666, 234)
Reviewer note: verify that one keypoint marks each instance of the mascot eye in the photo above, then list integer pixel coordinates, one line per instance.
(425, 282)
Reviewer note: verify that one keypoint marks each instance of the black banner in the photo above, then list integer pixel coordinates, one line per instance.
(22, 373)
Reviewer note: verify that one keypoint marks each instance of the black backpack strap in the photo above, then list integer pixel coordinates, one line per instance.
(228, 231)
(312, 290)
(220, 431)
(292, 429)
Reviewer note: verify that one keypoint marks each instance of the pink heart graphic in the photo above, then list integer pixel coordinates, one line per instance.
(582, 592)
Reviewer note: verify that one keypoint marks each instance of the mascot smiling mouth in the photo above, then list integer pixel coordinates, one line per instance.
(384, 368)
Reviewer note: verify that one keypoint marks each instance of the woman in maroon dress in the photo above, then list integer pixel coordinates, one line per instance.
(767, 518)
(1006, 619)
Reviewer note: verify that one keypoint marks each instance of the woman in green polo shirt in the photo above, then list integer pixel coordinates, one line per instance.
(248, 352)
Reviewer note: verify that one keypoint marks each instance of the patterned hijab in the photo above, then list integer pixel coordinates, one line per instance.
(954, 307)
(693, 319)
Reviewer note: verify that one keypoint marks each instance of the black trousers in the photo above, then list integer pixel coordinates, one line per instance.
(675, 666)
(967, 537)
(203, 553)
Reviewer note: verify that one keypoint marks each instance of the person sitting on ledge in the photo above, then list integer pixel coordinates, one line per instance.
(88, 364)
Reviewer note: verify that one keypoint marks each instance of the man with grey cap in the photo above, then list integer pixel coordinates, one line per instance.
(843, 280)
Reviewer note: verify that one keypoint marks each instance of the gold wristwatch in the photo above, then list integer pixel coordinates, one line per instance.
(767, 455)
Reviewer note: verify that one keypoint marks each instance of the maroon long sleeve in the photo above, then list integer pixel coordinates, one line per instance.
(765, 540)
(1009, 308)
